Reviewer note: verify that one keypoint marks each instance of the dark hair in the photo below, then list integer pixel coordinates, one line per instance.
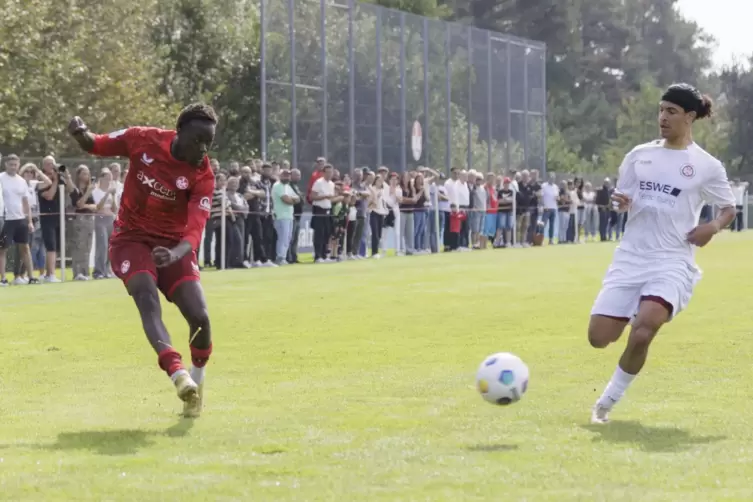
(689, 99)
(196, 111)
(327, 166)
(265, 165)
(12, 156)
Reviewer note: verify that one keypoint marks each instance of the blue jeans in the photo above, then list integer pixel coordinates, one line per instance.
(37, 250)
(419, 227)
(284, 229)
(549, 216)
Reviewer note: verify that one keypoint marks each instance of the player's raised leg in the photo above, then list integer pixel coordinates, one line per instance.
(653, 312)
(189, 298)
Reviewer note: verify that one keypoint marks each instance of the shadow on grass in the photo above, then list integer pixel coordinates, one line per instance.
(117, 442)
(651, 439)
(488, 448)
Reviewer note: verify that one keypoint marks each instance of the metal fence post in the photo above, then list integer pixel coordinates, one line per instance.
(263, 97)
(323, 56)
(379, 85)
(489, 99)
(448, 111)
(351, 92)
(293, 110)
(426, 143)
(470, 95)
(526, 152)
(508, 71)
(403, 130)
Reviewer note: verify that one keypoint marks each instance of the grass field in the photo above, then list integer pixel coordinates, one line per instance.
(355, 382)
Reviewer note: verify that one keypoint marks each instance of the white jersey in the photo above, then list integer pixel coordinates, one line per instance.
(668, 189)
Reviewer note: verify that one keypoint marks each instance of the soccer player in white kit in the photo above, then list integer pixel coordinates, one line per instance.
(662, 185)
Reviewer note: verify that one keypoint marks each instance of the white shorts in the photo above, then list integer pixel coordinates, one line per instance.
(625, 284)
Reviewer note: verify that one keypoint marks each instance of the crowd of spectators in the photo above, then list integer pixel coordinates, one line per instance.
(350, 214)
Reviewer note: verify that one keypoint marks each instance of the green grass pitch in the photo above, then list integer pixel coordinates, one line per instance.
(355, 382)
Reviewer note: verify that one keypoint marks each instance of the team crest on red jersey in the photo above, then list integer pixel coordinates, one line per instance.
(181, 183)
(687, 171)
(125, 267)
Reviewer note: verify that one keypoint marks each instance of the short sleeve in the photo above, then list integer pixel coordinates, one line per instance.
(115, 144)
(716, 189)
(627, 181)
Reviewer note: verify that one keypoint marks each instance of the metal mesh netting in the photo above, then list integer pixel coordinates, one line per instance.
(364, 86)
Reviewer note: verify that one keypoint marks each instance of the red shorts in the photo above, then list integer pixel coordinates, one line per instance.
(129, 257)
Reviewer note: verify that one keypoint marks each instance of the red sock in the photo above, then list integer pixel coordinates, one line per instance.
(200, 357)
(170, 360)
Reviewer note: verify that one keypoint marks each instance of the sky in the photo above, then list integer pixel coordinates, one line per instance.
(726, 20)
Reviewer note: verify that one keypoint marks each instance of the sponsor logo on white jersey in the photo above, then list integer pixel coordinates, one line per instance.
(157, 189)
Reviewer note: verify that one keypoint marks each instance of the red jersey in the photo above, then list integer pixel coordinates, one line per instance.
(314, 176)
(456, 221)
(162, 197)
(491, 196)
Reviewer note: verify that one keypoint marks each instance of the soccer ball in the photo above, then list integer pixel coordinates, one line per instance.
(502, 378)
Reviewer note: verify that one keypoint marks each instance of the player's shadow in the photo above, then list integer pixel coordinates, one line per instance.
(651, 439)
(117, 442)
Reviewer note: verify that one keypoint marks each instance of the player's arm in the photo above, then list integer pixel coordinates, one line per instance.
(717, 191)
(115, 144)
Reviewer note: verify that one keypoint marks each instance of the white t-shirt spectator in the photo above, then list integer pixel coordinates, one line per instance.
(390, 199)
(463, 194)
(549, 194)
(2, 202)
(98, 194)
(323, 187)
(574, 202)
(15, 190)
(739, 191)
(451, 191)
(33, 198)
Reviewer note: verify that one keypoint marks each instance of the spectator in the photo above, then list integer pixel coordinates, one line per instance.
(105, 196)
(603, 198)
(340, 213)
(420, 214)
(523, 197)
(490, 217)
(506, 198)
(463, 195)
(590, 212)
(83, 224)
(406, 204)
(18, 225)
(451, 189)
(533, 204)
(616, 222)
(322, 196)
(117, 181)
(580, 218)
(284, 199)
(563, 215)
(572, 228)
(550, 193)
(269, 239)
(456, 227)
(392, 194)
(368, 181)
(214, 224)
(739, 188)
(49, 216)
(295, 179)
(360, 200)
(215, 165)
(236, 225)
(315, 175)
(250, 189)
(478, 203)
(36, 180)
(234, 170)
(378, 213)
(439, 206)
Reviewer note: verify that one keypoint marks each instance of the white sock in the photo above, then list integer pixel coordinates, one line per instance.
(197, 374)
(175, 375)
(615, 388)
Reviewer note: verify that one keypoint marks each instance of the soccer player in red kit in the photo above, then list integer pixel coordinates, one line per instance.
(167, 198)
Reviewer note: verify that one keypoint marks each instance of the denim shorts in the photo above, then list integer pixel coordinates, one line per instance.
(505, 220)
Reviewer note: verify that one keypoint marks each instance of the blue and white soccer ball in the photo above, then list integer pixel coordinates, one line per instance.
(502, 378)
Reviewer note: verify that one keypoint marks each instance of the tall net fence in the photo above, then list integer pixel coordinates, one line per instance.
(366, 86)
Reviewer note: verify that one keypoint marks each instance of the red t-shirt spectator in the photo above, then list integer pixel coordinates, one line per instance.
(317, 174)
(491, 200)
(456, 221)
